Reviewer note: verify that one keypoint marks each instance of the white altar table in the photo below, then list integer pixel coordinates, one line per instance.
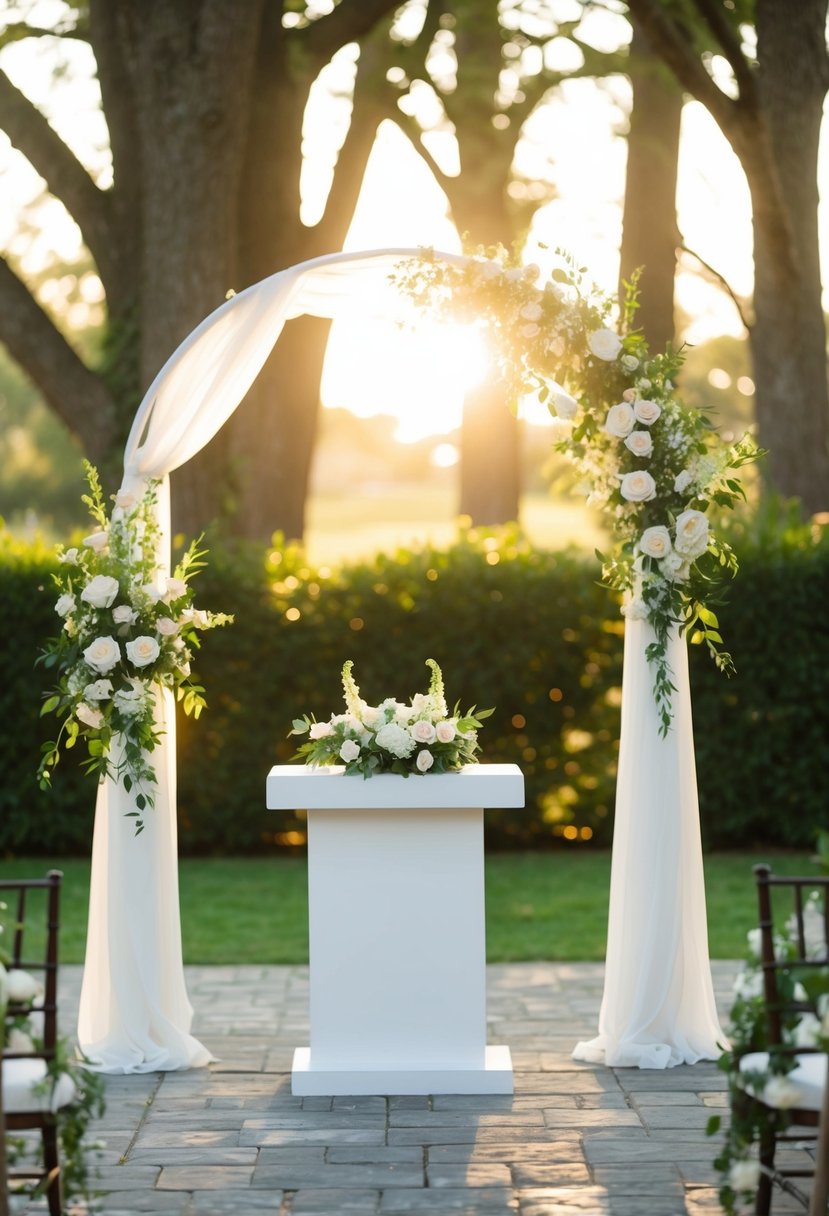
(397, 931)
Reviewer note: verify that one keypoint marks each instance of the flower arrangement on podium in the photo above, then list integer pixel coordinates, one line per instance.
(129, 631)
(393, 737)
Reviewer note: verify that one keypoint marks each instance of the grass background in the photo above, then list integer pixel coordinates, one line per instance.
(539, 905)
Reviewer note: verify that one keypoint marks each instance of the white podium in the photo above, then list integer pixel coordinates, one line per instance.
(397, 933)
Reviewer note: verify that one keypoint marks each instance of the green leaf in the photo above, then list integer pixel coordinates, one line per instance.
(49, 705)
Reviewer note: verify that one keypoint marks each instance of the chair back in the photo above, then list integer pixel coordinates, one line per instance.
(30, 949)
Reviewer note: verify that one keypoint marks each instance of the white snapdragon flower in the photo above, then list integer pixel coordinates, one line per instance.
(166, 626)
(604, 344)
(175, 589)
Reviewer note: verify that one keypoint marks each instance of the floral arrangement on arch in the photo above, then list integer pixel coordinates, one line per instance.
(128, 632)
(393, 737)
(654, 465)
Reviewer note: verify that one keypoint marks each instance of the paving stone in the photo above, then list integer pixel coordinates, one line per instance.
(164, 1155)
(326, 1202)
(442, 1201)
(459, 1118)
(566, 1150)
(383, 1174)
(591, 1118)
(547, 1173)
(369, 1153)
(281, 1136)
(473, 1175)
(235, 1203)
(204, 1177)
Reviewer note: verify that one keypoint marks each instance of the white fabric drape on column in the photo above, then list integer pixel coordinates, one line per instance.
(134, 1012)
(658, 1006)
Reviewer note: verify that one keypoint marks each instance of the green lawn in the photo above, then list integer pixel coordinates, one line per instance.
(539, 906)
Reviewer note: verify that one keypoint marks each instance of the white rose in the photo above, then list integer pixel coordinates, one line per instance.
(565, 406)
(675, 568)
(646, 412)
(683, 480)
(97, 541)
(65, 604)
(424, 761)
(643, 384)
(350, 750)
(531, 312)
(604, 344)
(320, 730)
(126, 499)
(638, 486)
(18, 1041)
(691, 530)
(102, 654)
(101, 591)
(142, 651)
(530, 331)
(395, 740)
(781, 1093)
(89, 715)
(176, 588)
(70, 557)
(629, 395)
(101, 690)
(744, 1176)
(445, 732)
(629, 362)
(22, 988)
(619, 420)
(166, 627)
(422, 732)
(655, 542)
(124, 615)
(640, 443)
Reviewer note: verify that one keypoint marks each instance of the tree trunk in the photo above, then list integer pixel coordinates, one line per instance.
(649, 231)
(788, 338)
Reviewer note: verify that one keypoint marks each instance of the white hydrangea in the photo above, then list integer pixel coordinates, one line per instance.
(393, 738)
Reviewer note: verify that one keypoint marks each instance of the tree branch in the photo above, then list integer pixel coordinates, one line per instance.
(670, 43)
(714, 16)
(348, 22)
(739, 303)
(76, 394)
(65, 176)
(412, 129)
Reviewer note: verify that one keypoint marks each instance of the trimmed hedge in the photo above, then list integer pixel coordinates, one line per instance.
(522, 629)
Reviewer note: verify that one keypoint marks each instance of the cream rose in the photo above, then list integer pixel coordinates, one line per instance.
(101, 591)
(638, 486)
(124, 615)
(640, 443)
(166, 626)
(674, 567)
(102, 654)
(604, 344)
(445, 732)
(646, 412)
(691, 531)
(101, 690)
(619, 421)
(89, 715)
(655, 542)
(422, 731)
(65, 604)
(424, 761)
(350, 750)
(97, 541)
(142, 651)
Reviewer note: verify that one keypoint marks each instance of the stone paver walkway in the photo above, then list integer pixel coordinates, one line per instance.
(574, 1139)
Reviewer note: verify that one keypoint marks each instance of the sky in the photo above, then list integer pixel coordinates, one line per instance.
(573, 141)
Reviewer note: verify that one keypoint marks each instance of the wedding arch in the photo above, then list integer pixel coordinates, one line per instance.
(658, 1007)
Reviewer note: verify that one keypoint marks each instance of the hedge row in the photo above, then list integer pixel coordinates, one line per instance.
(525, 630)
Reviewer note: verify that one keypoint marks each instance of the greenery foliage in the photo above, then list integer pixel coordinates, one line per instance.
(526, 630)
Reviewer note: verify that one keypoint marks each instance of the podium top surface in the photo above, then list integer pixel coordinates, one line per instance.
(295, 787)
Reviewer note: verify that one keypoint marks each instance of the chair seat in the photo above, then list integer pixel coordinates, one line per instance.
(808, 1076)
(19, 1079)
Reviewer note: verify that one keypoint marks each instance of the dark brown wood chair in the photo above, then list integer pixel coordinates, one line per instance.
(785, 908)
(28, 1103)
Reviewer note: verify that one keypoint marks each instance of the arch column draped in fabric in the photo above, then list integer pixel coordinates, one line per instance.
(134, 1014)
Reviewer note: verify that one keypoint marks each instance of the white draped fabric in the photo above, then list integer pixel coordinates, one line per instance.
(134, 1013)
(658, 1006)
